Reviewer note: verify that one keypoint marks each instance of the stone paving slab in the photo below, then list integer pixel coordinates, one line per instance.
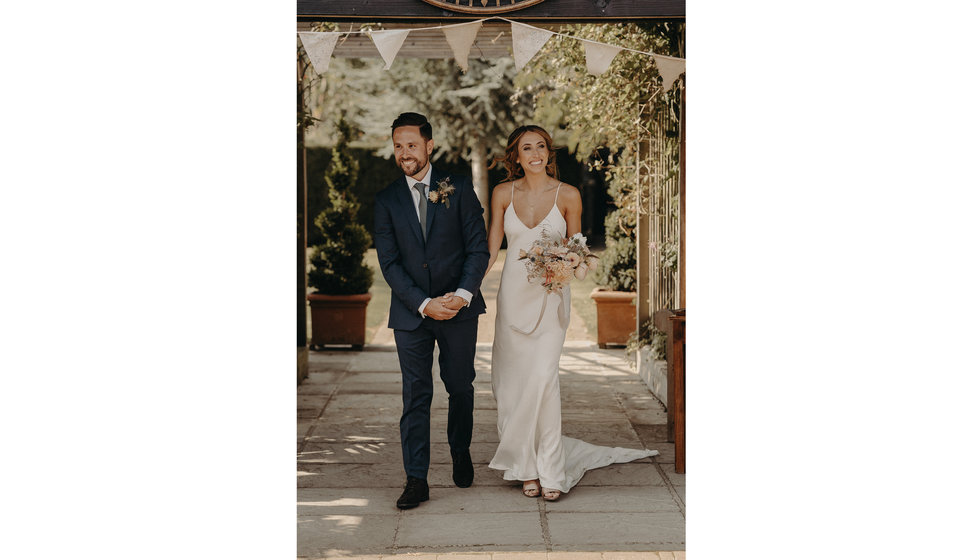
(675, 478)
(367, 402)
(345, 475)
(651, 432)
(638, 473)
(349, 470)
(385, 452)
(376, 362)
(421, 531)
(370, 417)
(682, 493)
(666, 455)
(312, 401)
(354, 386)
(442, 500)
(604, 433)
(328, 376)
(609, 438)
(527, 555)
(350, 452)
(338, 535)
(478, 552)
(303, 426)
(328, 433)
(374, 377)
(660, 555)
(598, 499)
(646, 402)
(319, 502)
(650, 551)
(321, 389)
(383, 475)
(661, 528)
(646, 415)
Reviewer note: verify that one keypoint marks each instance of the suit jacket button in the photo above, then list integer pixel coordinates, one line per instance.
(425, 265)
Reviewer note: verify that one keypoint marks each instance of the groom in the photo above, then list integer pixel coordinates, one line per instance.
(431, 240)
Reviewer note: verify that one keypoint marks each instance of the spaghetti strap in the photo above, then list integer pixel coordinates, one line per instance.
(556, 194)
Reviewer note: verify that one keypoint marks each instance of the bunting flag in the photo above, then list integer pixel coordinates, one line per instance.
(599, 56)
(670, 69)
(460, 39)
(319, 47)
(527, 42)
(388, 43)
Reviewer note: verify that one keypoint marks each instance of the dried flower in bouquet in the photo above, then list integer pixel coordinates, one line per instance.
(554, 261)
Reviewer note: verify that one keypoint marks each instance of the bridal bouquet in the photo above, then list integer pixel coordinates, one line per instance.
(554, 261)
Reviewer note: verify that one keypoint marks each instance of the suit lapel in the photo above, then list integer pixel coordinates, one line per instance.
(430, 213)
(405, 199)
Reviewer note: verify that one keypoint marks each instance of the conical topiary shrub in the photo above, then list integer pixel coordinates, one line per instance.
(338, 274)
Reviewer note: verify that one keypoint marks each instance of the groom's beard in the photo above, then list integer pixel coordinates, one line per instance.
(411, 166)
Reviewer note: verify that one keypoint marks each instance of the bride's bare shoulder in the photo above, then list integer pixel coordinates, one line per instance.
(502, 192)
(569, 196)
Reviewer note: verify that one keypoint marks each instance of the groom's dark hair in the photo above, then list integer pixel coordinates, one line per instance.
(414, 119)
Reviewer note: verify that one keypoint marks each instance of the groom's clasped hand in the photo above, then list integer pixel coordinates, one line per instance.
(445, 307)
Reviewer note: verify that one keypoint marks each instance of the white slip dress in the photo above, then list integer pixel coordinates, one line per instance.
(529, 333)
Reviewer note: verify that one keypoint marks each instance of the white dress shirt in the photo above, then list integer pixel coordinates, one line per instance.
(416, 197)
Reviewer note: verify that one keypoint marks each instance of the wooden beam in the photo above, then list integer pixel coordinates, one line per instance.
(300, 216)
(682, 195)
(581, 11)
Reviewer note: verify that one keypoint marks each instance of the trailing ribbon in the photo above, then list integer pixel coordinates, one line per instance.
(562, 313)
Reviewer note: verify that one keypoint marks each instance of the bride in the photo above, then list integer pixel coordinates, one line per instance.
(530, 327)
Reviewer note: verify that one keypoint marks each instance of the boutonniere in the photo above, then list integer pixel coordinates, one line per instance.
(441, 194)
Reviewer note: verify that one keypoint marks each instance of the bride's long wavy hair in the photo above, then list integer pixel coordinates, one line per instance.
(509, 159)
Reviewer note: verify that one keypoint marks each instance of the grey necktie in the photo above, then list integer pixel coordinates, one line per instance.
(422, 206)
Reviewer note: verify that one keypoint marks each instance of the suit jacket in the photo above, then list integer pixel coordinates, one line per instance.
(454, 254)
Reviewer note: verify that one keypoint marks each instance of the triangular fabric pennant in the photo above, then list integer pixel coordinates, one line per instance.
(670, 69)
(527, 42)
(319, 47)
(388, 43)
(460, 39)
(598, 56)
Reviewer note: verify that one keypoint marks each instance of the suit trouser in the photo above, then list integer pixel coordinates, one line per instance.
(457, 350)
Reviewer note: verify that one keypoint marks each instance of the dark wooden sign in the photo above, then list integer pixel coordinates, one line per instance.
(581, 11)
(482, 7)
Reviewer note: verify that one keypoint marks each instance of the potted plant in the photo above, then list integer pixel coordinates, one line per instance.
(338, 275)
(615, 298)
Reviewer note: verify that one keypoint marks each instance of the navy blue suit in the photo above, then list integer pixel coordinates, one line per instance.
(453, 255)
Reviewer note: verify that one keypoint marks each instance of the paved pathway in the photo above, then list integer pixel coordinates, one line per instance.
(349, 469)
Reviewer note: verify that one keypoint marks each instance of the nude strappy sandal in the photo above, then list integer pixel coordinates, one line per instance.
(531, 489)
(550, 494)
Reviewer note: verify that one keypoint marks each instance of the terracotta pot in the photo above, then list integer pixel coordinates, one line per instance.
(615, 316)
(338, 319)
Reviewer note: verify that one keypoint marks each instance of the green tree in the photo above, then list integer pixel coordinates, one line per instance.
(614, 110)
(471, 113)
